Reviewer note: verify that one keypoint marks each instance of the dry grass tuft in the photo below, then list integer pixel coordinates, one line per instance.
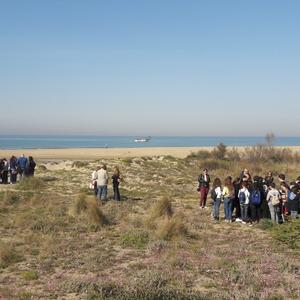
(95, 214)
(162, 208)
(171, 228)
(8, 254)
(80, 204)
(89, 206)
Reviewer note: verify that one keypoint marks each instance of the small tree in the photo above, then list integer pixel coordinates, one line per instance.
(220, 151)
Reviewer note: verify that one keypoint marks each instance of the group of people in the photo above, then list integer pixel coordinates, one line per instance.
(100, 182)
(246, 199)
(14, 167)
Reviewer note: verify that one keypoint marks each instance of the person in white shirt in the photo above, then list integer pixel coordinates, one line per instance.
(102, 181)
(94, 180)
(244, 198)
(216, 194)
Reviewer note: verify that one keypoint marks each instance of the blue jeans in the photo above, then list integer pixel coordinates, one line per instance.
(217, 204)
(244, 211)
(102, 192)
(227, 208)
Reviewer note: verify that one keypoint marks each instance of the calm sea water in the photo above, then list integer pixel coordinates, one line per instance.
(32, 142)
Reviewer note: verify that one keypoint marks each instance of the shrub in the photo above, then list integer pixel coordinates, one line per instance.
(136, 238)
(287, 233)
(162, 208)
(214, 165)
(11, 197)
(202, 154)
(80, 164)
(8, 255)
(80, 204)
(233, 154)
(219, 151)
(95, 215)
(173, 228)
(29, 275)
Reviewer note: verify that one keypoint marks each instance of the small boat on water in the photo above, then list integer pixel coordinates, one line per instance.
(142, 139)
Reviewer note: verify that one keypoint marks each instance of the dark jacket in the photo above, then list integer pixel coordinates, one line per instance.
(202, 182)
(294, 204)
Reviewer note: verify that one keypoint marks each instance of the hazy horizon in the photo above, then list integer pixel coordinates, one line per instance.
(159, 68)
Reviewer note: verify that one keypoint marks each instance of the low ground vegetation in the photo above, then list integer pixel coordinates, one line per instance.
(58, 242)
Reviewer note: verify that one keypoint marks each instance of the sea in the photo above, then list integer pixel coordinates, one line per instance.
(64, 142)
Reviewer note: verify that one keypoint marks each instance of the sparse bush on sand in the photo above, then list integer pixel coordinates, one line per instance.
(80, 164)
(89, 206)
(171, 228)
(161, 208)
(8, 254)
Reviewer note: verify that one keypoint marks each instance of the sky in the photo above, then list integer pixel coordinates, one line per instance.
(155, 67)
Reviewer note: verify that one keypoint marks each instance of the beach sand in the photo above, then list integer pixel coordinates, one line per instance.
(99, 153)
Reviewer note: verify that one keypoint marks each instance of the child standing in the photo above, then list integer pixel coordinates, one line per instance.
(216, 195)
(273, 199)
(228, 194)
(244, 198)
(293, 201)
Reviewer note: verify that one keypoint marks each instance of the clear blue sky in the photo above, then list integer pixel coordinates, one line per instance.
(155, 67)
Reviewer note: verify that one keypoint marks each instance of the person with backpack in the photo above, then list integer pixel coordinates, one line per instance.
(203, 187)
(255, 202)
(293, 201)
(273, 199)
(244, 198)
(216, 195)
(228, 194)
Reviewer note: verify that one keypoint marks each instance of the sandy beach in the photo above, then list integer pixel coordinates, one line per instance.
(99, 153)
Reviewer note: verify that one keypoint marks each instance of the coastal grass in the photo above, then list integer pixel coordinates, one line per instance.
(58, 241)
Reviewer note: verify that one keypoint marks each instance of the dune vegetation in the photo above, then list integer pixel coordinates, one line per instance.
(58, 242)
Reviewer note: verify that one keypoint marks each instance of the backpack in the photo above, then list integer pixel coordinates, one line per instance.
(275, 200)
(256, 197)
(213, 194)
(242, 197)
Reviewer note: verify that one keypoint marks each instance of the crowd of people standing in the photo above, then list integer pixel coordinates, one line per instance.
(246, 199)
(100, 182)
(15, 167)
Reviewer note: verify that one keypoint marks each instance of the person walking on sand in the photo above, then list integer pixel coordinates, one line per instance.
(102, 181)
(116, 179)
(203, 188)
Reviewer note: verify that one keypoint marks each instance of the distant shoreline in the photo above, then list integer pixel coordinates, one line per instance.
(102, 153)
